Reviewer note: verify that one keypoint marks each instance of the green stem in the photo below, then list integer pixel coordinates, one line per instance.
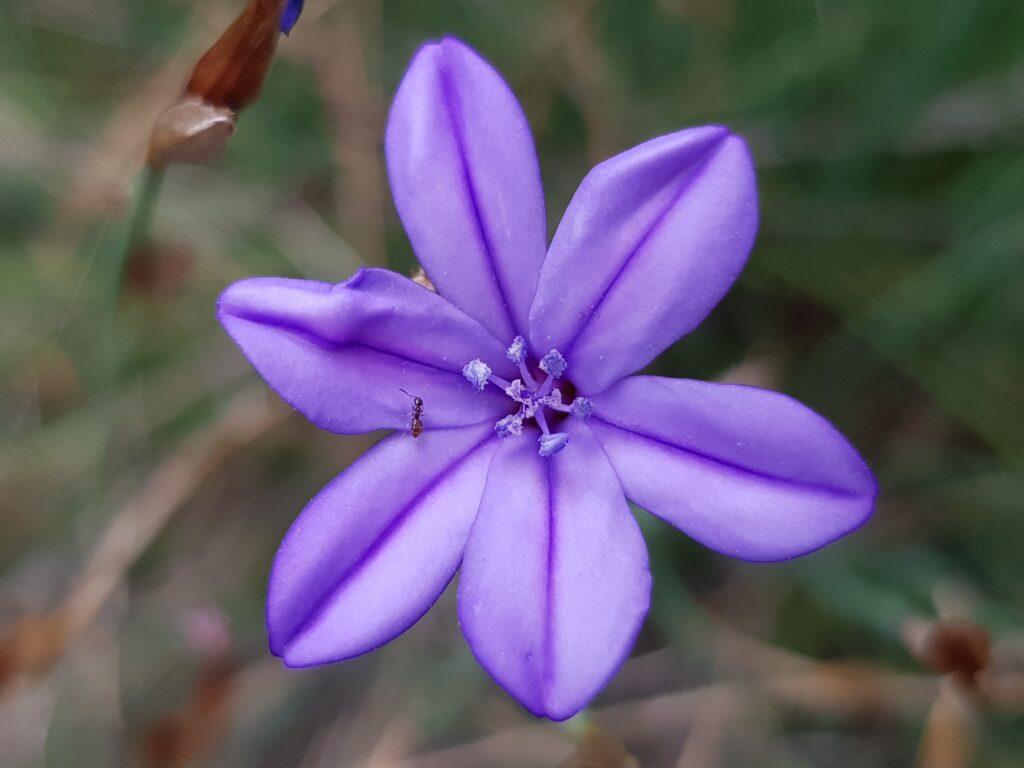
(116, 248)
(147, 194)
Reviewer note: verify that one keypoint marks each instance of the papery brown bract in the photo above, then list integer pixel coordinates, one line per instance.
(191, 131)
(231, 73)
(228, 77)
(959, 648)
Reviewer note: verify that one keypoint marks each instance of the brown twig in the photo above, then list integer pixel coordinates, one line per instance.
(35, 643)
(596, 749)
(186, 735)
(763, 671)
(837, 692)
(793, 681)
(948, 733)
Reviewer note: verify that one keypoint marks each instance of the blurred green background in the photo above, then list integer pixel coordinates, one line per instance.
(147, 476)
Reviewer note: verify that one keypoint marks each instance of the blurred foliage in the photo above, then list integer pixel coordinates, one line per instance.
(885, 291)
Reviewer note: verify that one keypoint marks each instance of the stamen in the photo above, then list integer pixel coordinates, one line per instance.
(581, 408)
(553, 364)
(552, 444)
(478, 373)
(527, 376)
(542, 422)
(546, 386)
(517, 351)
(499, 382)
(532, 399)
(510, 425)
(515, 390)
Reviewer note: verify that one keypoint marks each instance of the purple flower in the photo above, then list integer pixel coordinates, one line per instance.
(290, 15)
(536, 430)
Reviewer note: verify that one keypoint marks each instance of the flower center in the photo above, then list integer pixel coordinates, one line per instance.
(532, 397)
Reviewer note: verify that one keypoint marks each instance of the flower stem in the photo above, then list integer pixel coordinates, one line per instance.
(147, 194)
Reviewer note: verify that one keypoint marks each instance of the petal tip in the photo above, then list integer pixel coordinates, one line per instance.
(235, 297)
(359, 277)
(452, 44)
(279, 644)
(425, 56)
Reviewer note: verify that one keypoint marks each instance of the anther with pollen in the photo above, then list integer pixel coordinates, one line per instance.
(532, 397)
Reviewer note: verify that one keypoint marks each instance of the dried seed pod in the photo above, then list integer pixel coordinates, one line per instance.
(191, 131)
(958, 648)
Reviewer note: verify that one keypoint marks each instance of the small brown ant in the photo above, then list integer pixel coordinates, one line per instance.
(416, 424)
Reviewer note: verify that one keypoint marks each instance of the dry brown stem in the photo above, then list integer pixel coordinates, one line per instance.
(599, 750)
(34, 644)
(948, 740)
(184, 736)
(842, 689)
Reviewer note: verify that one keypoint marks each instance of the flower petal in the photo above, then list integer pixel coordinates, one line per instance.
(374, 550)
(750, 473)
(466, 183)
(341, 354)
(651, 241)
(554, 583)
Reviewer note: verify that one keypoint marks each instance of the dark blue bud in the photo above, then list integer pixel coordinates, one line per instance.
(290, 17)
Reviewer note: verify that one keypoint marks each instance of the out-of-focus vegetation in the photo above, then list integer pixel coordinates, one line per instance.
(146, 477)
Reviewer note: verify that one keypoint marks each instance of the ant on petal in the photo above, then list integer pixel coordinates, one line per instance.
(416, 424)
